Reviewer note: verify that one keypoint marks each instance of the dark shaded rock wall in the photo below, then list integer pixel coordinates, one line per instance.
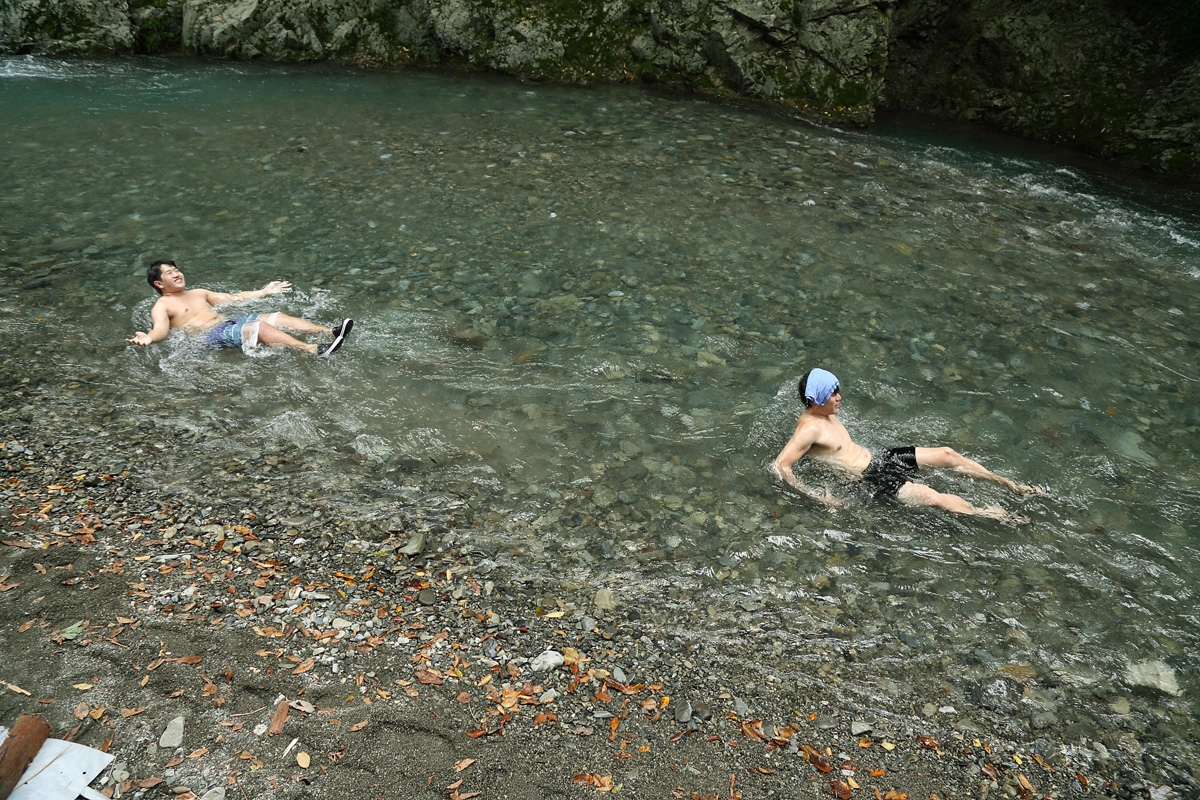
(1117, 78)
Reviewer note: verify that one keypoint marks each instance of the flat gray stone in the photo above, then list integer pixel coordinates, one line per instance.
(172, 737)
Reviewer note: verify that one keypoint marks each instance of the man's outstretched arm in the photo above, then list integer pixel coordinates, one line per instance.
(162, 326)
(800, 443)
(274, 287)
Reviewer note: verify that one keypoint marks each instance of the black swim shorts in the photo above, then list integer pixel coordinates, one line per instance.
(888, 471)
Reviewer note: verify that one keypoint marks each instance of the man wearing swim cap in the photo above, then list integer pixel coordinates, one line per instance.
(819, 433)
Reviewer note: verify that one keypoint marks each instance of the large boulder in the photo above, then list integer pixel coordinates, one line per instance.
(1099, 77)
(63, 27)
(825, 57)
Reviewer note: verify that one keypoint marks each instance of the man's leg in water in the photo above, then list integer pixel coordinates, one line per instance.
(294, 323)
(269, 334)
(950, 458)
(920, 495)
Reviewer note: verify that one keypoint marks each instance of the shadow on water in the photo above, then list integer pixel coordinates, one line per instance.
(585, 310)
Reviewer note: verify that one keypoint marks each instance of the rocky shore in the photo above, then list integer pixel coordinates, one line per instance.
(1112, 79)
(248, 632)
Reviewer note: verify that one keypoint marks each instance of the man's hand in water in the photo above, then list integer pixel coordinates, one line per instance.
(141, 338)
(277, 287)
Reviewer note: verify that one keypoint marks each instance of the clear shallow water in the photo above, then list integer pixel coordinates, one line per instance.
(648, 277)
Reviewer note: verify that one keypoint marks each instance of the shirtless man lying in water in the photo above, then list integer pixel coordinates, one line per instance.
(192, 310)
(820, 433)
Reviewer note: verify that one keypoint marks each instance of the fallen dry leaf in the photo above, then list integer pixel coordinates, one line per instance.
(358, 726)
(149, 783)
(82, 710)
(83, 687)
(304, 666)
(459, 766)
(464, 697)
(303, 759)
(840, 790)
(601, 783)
(278, 719)
(428, 677)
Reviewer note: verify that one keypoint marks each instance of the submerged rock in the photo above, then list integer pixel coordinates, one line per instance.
(1153, 675)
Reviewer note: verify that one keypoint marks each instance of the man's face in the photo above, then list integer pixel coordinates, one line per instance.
(833, 403)
(170, 279)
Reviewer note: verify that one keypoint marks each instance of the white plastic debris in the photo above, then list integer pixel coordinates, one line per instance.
(60, 771)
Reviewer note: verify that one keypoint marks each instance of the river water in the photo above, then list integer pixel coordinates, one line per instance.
(584, 311)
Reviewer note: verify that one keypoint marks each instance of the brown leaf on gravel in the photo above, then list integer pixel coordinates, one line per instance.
(26, 626)
(464, 697)
(990, 772)
(82, 710)
(304, 666)
(813, 756)
(191, 660)
(278, 718)
(894, 795)
(459, 766)
(601, 783)
(358, 726)
(428, 677)
(839, 790)
(303, 759)
(927, 743)
(149, 783)
(131, 712)
(753, 728)
(174, 762)
(454, 785)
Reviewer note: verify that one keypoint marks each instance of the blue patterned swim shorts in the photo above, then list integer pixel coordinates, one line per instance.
(232, 334)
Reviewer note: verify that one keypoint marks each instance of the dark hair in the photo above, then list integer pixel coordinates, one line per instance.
(804, 385)
(154, 272)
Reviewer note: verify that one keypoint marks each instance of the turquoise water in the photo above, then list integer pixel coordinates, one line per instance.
(641, 280)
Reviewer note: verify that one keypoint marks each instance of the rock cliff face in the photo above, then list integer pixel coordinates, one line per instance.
(1099, 76)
